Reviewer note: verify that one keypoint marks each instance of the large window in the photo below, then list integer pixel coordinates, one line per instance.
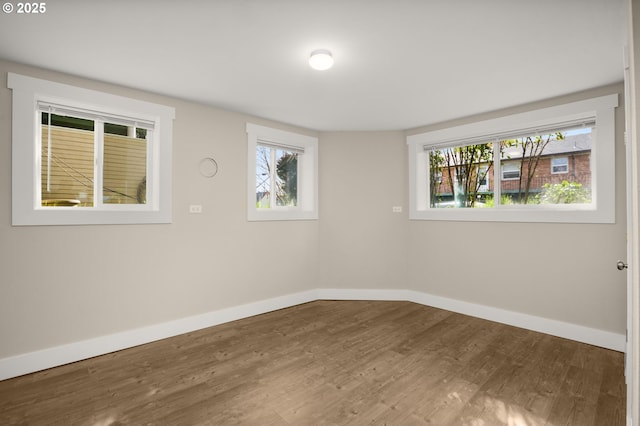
(528, 167)
(282, 175)
(86, 157)
(554, 165)
(69, 173)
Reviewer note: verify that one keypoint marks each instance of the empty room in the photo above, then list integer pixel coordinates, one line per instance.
(302, 213)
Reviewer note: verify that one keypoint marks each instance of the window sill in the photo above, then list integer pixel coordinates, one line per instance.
(560, 214)
(284, 214)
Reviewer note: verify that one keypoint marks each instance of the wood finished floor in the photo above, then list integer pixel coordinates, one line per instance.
(334, 363)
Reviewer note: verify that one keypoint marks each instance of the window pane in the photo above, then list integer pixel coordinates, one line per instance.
(460, 177)
(286, 178)
(263, 177)
(560, 165)
(276, 177)
(125, 167)
(67, 172)
(510, 170)
(553, 168)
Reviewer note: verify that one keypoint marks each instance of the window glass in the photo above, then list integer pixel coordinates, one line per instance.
(534, 173)
(125, 167)
(510, 170)
(559, 165)
(67, 162)
(70, 172)
(462, 176)
(276, 177)
(458, 175)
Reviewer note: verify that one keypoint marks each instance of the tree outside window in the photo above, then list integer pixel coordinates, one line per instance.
(276, 177)
(463, 176)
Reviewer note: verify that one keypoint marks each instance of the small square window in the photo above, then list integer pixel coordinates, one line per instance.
(282, 175)
(510, 171)
(560, 165)
(459, 175)
(276, 177)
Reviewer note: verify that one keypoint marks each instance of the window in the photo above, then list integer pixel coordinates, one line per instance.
(282, 175)
(539, 166)
(559, 165)
(276, 177)
(526, 176)
(510, 171)
(457, 172)
(86, 157)
(69, 174)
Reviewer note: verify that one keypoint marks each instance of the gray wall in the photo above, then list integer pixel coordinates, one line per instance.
(64, 284)
(564, 272)
(61, 284)
(363, 243)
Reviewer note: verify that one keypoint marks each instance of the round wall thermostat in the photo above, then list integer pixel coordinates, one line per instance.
(208, 167)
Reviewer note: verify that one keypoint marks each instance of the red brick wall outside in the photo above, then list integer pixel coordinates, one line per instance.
(579, 171)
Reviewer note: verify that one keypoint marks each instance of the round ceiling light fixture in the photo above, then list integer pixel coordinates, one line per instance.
(321, 60)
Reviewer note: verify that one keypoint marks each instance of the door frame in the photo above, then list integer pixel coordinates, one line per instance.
(631, 56)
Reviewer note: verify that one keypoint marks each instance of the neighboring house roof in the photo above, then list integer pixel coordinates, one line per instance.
(575, 143)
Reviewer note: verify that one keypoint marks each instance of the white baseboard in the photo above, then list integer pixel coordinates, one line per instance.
(51, 357)
(361, 294)
(591, 336)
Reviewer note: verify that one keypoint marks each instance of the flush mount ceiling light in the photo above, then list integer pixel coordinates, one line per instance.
(321, 60)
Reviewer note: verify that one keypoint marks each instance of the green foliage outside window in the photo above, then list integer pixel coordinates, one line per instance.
(564, 193)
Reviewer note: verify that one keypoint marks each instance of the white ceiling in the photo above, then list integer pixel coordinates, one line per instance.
(398, 63)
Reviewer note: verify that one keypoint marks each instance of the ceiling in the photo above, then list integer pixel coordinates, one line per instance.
(399, 64)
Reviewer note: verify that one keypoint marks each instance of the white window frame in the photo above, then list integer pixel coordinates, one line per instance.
(307, 197)
(564, 164)
(602, 207)
(27, 208)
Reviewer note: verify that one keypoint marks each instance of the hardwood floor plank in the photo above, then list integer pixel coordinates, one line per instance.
(577, 401)
(334, 363)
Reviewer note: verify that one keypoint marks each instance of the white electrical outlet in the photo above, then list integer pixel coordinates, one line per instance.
(396, 209)
(195, 208)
